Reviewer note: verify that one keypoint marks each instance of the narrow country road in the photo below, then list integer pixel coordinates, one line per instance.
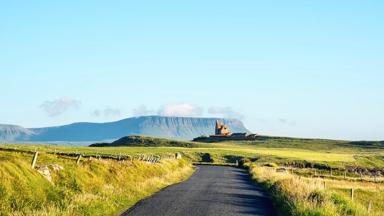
(213, 191)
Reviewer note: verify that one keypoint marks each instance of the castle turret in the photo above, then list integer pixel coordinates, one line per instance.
(221, 129)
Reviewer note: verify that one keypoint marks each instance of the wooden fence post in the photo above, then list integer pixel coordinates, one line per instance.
(34, 159)
(324, 185)
(352, 194)
(345, 174)
(370, 206)
(78, 159)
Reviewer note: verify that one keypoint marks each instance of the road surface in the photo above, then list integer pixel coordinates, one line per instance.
(212, 190)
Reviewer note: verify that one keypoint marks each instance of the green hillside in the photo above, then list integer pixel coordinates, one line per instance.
(144, 141)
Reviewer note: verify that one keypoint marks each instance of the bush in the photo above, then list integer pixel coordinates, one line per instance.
(206, 157)
(318, 198)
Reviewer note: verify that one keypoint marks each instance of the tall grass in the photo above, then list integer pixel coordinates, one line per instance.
(95, 187)
(299, 196)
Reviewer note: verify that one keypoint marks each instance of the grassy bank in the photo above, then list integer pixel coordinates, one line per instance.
(296, 195)
(94, 187)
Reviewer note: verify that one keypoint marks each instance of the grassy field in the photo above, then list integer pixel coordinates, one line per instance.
(273, 149)
(101, 186)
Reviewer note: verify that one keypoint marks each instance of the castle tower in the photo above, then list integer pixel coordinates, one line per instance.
(221, 129)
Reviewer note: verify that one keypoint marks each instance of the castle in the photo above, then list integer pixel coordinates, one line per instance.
(223, 133)
(221, 129)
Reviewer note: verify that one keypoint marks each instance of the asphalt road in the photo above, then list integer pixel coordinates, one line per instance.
(212, 190)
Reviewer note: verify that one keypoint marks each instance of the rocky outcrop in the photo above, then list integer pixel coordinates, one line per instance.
(46, 170)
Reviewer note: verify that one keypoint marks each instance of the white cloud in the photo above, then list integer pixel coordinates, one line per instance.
(226, 112)
(182, 110)
(59, 106)
(187, 110)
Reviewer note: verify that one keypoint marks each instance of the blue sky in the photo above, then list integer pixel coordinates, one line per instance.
(290, 68)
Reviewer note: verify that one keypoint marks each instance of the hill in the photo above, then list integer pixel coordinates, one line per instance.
(12, 132)
(180, 128)
(142, 141)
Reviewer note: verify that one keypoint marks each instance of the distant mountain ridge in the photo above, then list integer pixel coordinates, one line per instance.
(181, 128)
(12, 132)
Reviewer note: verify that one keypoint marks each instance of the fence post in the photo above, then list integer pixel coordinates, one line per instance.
(34, 159)
(351, 194)
(78, 159)
(370, 205)
(345, 174)
(324, 185)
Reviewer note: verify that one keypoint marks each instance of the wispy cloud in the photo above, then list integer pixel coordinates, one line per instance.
(59, 106)
(187, 110)
(107, 112)
(226, 112)
(286, 121)
(143, 111)
(181, 109)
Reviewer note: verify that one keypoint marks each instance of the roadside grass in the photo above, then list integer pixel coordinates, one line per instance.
(95, 187)
(296, 195)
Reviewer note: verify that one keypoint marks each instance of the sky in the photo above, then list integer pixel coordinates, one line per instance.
(285, 68)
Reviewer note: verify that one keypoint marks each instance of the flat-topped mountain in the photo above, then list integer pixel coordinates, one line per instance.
(181, 128)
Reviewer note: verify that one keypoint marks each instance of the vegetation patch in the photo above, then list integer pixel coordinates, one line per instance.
(296, 195)
(93, 187)
(145, 141)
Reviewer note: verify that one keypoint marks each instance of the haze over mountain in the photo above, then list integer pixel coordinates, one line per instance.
(181, 128)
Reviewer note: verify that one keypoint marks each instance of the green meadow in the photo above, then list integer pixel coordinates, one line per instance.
(118, 181)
